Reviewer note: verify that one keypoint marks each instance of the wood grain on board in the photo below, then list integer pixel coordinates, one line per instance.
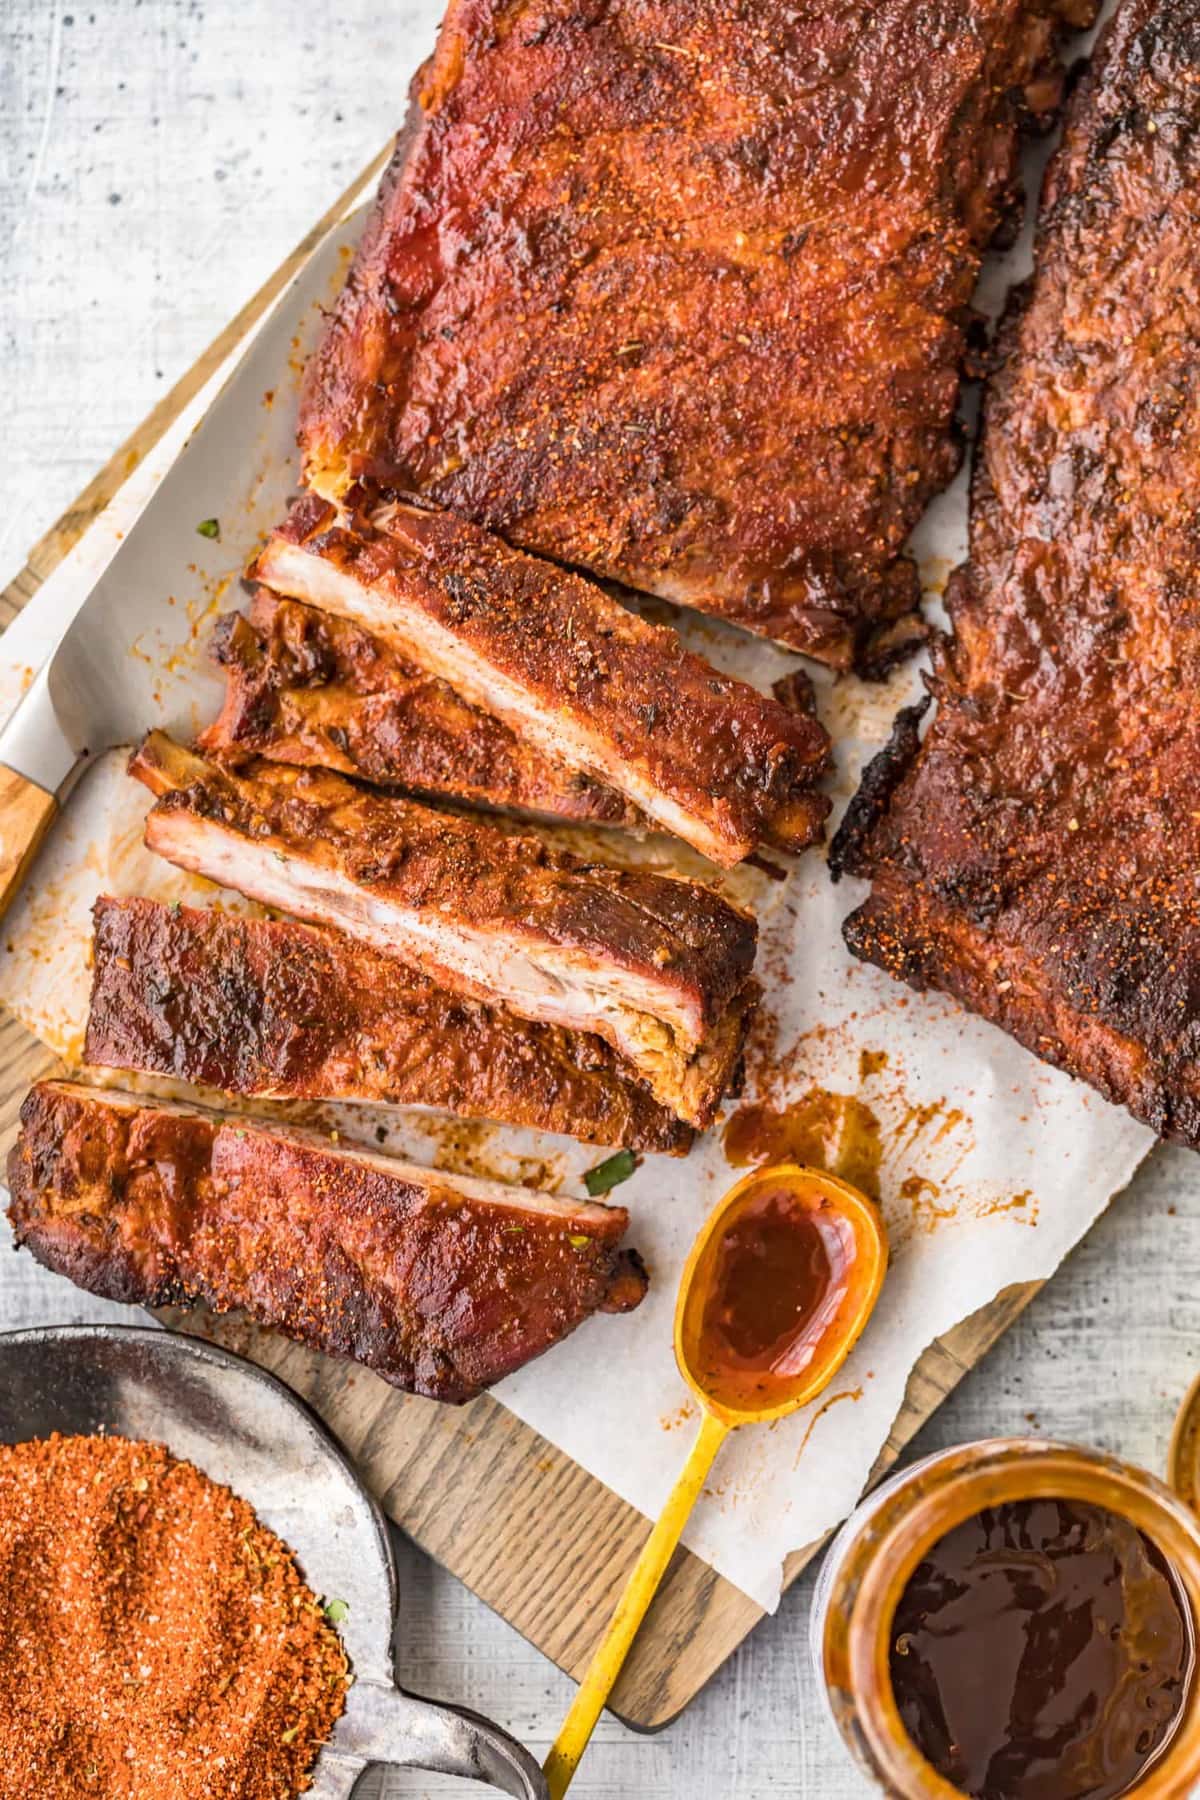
(538, 1539)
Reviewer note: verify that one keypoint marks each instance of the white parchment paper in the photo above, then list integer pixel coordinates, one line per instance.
(988, 1165)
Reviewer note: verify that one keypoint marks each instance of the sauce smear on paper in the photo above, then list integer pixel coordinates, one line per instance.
(822, 1130)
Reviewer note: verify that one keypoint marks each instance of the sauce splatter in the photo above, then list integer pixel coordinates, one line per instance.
(854, 1393)
(923, 1196)
(822, 1130)
(1023, 1205)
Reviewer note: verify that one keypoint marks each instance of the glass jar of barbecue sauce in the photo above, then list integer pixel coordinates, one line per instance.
(1019, 1619)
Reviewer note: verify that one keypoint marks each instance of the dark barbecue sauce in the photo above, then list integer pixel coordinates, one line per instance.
(781, 1277)
(1042, 1651)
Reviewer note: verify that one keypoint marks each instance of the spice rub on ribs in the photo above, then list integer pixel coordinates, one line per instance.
(273, 1009)
(1036, 854)
(655, 965)
(680, 295)
(308, 687)
(440, 1283)
(570, 670)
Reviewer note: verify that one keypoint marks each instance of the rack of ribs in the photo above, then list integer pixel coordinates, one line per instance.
(308, 687)
(583, 679)
(681, 296)
(1036, 853)
(655, 965)
(272, 1009)
(441, 1284)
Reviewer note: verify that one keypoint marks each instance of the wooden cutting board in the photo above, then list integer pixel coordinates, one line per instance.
(542, 1542)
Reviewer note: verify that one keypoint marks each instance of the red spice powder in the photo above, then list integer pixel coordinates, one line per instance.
(156, 1641)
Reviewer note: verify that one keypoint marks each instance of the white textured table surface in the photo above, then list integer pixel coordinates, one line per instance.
(157, 159)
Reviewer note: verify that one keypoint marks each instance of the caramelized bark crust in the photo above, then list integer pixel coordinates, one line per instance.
(657, 966)
(679, 294)
(440, 1286)
(276, 1009)
(700, 752)
(677, 934)
(304, 686)
(1036, 854)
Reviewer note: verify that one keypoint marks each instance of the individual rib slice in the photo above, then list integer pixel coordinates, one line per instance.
(272, 1009)
(307, 687)
(441, 1284)
(656, 966)
(680, 294)
(1036, 854)
(572, 671)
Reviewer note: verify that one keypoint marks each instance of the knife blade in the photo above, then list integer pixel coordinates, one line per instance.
(130, 653)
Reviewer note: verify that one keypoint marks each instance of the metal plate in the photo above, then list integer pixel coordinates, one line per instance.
(245, 1429)
(237, 1423)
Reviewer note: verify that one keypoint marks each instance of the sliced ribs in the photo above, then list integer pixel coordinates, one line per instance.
(441, 1284)
(273, 1009)
(308, 687)
(680, 294)
(574, 673)
(655, 965)
(1036, 854)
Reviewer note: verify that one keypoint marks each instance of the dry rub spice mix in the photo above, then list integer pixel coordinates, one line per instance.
(156, 1641)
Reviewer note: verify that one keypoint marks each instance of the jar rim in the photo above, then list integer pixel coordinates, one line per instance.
(952, 1486)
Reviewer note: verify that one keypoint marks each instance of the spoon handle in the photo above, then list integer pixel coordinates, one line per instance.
(648, 1571)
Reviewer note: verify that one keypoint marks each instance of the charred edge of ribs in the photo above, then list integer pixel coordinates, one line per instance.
(886, 646)
(651, 963)
(591, 683)
(440, 1284)
(795, 692)
(1036, 858)
(724, 456)
(309, 687)
(275, 1009)
(848, 854)
(927, 945)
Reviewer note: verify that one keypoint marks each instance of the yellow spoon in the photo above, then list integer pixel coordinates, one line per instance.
(777, 1288)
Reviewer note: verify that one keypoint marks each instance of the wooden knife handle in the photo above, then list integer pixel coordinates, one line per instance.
(26, 814)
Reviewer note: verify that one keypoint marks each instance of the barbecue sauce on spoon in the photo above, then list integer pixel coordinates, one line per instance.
(1042, 1650)
(781, 1278)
